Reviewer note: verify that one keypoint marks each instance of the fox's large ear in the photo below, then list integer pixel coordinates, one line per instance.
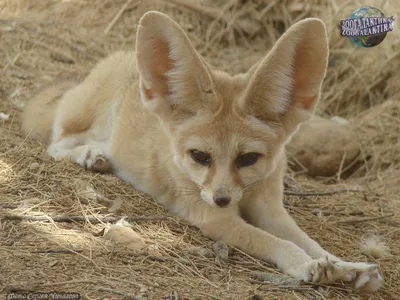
(174, 80)
(286, 85)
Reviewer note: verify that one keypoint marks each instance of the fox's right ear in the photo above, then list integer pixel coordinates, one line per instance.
(285, 86)
(174, 81)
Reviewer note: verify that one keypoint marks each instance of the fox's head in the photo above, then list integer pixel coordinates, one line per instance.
(226, 132)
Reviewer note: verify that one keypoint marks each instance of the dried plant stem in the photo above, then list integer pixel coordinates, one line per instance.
(361, 220)
(113, 291)
(117, 16)
(311, 193)
(54, 51)
(69, 219)
(216, 15)
(67, 251)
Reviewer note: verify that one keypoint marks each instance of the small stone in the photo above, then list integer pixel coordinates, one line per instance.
(339, 120)
(214, 277)
(4, 116)
(323, 290)
(171, 295)
(188, 27)
(85, 190)
(52, 263)
(125, 236)
(153, 250)
(317, 212)
(44, 157)
(116, 205)
(34, 166)
(221, 250)
(26, 204)
(200, 251)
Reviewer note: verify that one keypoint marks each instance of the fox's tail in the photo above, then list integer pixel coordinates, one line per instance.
(39, 112)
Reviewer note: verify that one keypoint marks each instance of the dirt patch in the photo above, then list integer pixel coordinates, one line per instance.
(43, 40)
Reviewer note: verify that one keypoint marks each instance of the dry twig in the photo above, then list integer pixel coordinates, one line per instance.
(117, 16)
(113, 291)
(67, 251)
(69, 219)
(240, 25)
(361, 220)
(312, 193)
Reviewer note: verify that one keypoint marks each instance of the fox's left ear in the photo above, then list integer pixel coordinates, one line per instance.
(174, 81)
(286, 85)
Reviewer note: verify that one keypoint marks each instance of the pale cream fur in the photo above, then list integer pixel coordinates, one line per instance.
(142, 113)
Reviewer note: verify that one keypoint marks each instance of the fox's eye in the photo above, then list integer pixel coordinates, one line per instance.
(247, 159)
(201, 157)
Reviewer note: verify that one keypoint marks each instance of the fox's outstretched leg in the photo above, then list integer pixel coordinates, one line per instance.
(271, 216)
(227, 225)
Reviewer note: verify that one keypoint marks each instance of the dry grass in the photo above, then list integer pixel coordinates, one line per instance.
(41, 40)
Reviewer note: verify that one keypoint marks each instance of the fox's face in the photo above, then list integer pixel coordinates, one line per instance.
(227, 132)
(226, 154)
(224, 150)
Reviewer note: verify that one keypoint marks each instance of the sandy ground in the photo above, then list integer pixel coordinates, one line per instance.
(43, 40)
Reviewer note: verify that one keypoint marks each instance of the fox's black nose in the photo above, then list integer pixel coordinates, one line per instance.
(222, 201)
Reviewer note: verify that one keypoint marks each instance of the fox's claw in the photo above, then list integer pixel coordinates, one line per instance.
(368, 279)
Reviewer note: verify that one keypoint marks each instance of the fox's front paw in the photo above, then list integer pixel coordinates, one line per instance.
(362, 276)
(365, 277)
(94, 159)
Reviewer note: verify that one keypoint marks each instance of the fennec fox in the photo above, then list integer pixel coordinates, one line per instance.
(207, 145)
